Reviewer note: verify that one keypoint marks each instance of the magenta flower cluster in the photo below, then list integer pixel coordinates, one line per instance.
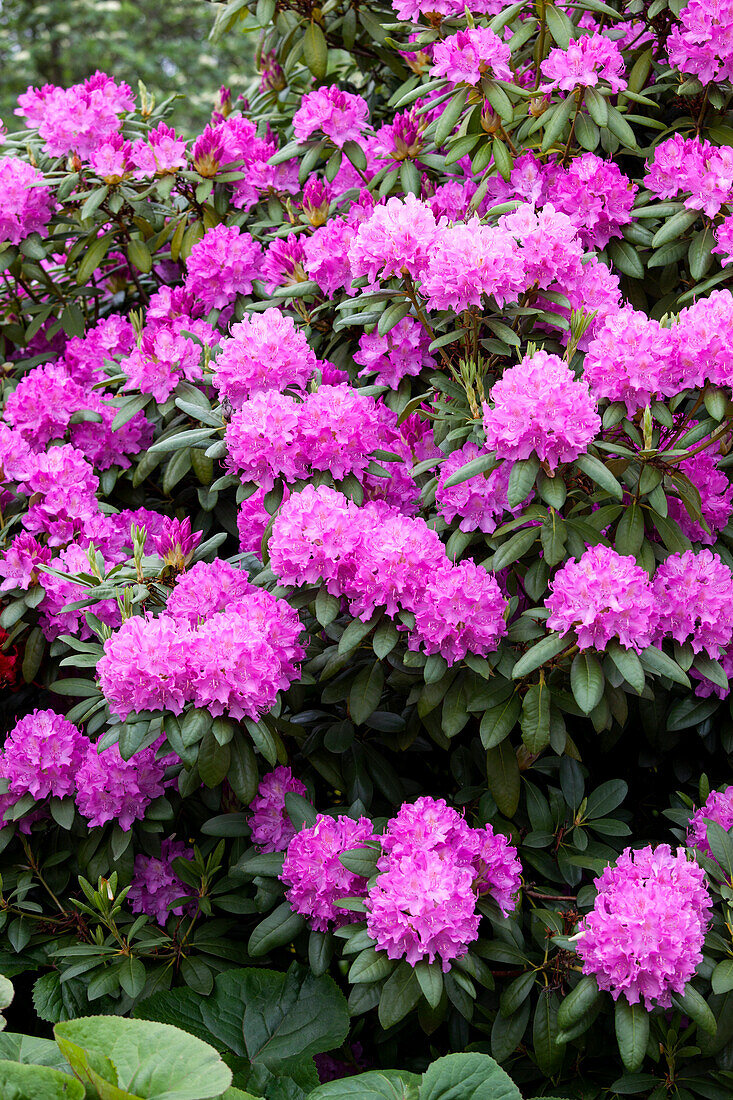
(271, 827)
(222, 644)
(643, 939)
(156, 888)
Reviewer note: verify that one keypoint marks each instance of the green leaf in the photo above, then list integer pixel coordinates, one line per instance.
(386, 1084)
(271, 1018)
(628, 664)
(481, 465)
(587, 681)
(93, 258)
(315, 50)
(24, 1082)
(656, 661)
(554, 121)
(366, 691)
(430, 979)
(514, 548)
(300, 811)
(448, 119)
(535, 720)
(327, 607)
(502, 777)
(521, 480)
(578, 1003)
(468, 1076)
(139, 255)
(632, 1033)
(155, 1060)
(370, 966)
(213, 760)
(499, 721)
(721, 846)
(674, 227)
(691, 1004)
(548, 1052)
(544, 650)
(362, 861)
(399, 996)
(281, 926)
(602, 476)
(35, 647)
(722, 979)
(625, 257)
(699, 255)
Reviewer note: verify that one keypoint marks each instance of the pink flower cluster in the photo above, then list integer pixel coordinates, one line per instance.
(481, 501)
(25, 208)
(315, 877)
(77, 119)
(701, 43)
(718, 807)
(693, 166)
(694, 597)
(465, 57)
(264, 351)
(222, 265)
(165, 354)
(603, 595)
(377, 557)
(45, 755)
(588, 61)
(156, 886)
(401, 352)
(341, 116)
(433, 866)
(468, 261)
(539, 407)
(644, 936)
(273, 435)
(159, 153)
(272, 829)
(222, 644)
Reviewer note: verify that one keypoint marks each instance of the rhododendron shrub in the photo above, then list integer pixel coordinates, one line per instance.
(366, 555)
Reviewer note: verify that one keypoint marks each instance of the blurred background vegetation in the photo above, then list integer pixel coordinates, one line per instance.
(164, 43)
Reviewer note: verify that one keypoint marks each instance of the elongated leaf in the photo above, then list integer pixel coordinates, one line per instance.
(538, 654)
(632, 1033)
(586, 681)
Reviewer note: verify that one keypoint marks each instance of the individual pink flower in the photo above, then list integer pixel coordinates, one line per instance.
(644, 935)
(272, 829)
(465, 57)
(341, 116)
(694, 595)
(603, 595)
(588, 61)
(539, 407)
(315, 877)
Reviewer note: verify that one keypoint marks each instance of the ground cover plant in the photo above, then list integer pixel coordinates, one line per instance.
(366, 572)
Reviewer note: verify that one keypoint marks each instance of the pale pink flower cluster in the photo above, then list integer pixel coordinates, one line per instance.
(112, 789)
(465, 57)
(697, 167)
(540, 407)
(433, 867)
(222, 265)
(341, 116)
(77, 119)
(315, 878)
(264, 351)
(644, 936)
(603, 595)
(272, 829)
(26, 208)
(165, 355)
(467, 261)
(588, 61)
(396, 240)
(222, 644)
